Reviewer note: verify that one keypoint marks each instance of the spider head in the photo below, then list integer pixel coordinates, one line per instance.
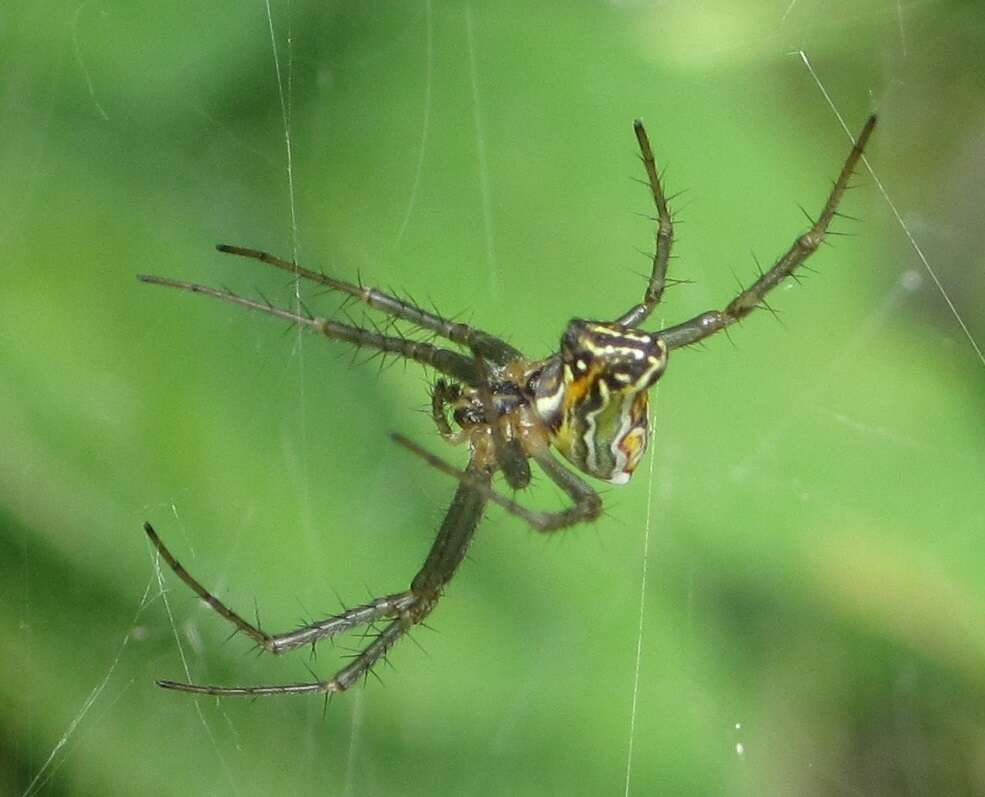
(595, 402)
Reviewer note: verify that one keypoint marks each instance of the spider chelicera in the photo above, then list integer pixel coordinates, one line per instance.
(588, 401)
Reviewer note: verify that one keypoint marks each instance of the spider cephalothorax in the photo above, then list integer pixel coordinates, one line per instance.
(588, 401)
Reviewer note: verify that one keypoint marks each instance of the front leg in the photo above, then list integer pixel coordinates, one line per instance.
(707, 324)
(664, 236)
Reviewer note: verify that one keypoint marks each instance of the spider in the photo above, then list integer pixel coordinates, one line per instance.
(588, 401)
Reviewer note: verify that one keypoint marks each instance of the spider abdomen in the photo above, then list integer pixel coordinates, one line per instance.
(594, 398)
(606, 437)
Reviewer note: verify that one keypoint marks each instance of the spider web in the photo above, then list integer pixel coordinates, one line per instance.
(504, 673)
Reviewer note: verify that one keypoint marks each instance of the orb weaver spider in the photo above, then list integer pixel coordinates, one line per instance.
(588, 401)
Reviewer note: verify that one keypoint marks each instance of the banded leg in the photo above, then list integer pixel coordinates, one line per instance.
(499, 351)
(406, 609)
(387, 606)
(455, 365)
(586, 503)
(342, 680)
(707, 324)
(664, 238)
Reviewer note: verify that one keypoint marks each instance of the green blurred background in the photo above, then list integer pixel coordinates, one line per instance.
(814, 617)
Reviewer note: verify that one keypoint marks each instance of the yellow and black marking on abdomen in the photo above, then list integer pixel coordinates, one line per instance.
(596, 404)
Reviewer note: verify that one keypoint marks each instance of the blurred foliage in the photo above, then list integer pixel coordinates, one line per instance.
(814, 603)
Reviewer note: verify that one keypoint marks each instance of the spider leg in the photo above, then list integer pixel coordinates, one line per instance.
(456, 532)
(339, 682)
(706, 324)
(406, 609)
(664, 236)
(586, 503)
(488, 345)
(452, 363)
(386, 606)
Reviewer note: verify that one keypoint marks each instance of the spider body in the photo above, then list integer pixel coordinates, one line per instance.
(588, 402)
